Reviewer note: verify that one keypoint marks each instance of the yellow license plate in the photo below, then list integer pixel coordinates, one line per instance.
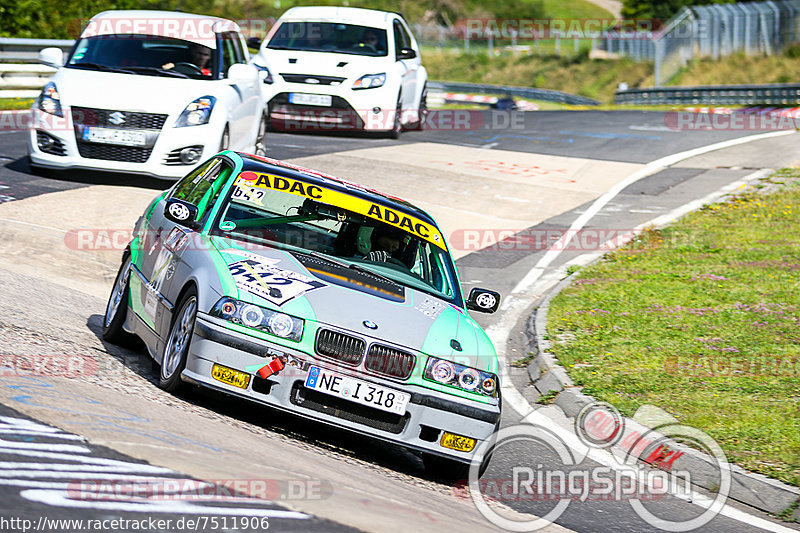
(230, 376)
(457, 442)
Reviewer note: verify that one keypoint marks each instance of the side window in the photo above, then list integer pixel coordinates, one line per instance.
(406, 37)
(399, 38)
(230, 53)
(202, 187)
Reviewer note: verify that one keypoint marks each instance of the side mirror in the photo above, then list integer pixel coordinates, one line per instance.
(253, 42)
(483, 300)
(181, 212)
(52, 57)
(242, 73)
(406, 53)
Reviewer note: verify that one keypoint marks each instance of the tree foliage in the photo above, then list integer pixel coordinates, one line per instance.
(661, 10)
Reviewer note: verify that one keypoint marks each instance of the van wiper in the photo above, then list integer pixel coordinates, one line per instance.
(97, 66)
(160, 71)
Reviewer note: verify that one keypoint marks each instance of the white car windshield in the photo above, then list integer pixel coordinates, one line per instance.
(345, 238)
(329, 37)
(144, 54)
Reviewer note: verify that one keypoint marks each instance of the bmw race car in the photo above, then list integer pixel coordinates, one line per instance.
(314, 295)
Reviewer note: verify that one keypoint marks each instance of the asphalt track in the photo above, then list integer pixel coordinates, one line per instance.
(566, 158)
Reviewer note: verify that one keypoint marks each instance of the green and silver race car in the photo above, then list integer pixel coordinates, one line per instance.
(314, 295)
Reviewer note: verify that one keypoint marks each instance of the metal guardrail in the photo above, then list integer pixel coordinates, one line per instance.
(523, 92)
(21, 74)
(776, 94)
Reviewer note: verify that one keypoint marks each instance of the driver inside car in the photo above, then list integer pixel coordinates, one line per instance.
(385, 243)
(200, 56)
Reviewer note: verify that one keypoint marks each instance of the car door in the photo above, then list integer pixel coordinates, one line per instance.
(246, 94)
(164, 241)
(408, 67)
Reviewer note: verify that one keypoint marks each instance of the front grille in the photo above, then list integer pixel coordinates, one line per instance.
(88, 116)
(49, 144)
(390, 361)
(347, 410)
(340, 114)
(304, 78)
(113, 152)
(339, 346)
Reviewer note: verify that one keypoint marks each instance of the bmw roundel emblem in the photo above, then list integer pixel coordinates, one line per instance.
(370, 324)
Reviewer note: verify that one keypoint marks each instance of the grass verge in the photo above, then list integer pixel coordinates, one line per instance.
(16, 103)
(701, 319)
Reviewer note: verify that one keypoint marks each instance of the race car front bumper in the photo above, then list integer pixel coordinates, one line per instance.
(428, 414)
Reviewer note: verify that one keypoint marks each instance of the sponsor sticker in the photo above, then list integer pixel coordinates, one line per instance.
(269, 282)
(248, 181)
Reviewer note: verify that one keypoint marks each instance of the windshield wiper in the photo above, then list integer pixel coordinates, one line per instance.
(97, 66)
(161, 71)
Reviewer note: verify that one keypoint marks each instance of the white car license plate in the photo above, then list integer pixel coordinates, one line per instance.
(357, 391)
(311, 99)
(109, 136)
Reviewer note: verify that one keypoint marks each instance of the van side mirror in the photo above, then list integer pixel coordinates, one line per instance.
(181, 212)
(483, 300)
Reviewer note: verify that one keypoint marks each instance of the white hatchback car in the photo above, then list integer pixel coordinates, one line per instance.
(331, 68)
(148, 92)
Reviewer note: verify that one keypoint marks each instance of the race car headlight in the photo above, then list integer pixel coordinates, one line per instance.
(197, 113)
(253, 316)
(369, 81)
(265, 74)
(460, 377)
(50, 100)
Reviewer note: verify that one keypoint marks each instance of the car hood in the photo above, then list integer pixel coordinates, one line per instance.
(315, 290)
(349, 66)
(129, 92)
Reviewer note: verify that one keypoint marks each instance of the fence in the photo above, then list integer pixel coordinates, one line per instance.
(20, 74)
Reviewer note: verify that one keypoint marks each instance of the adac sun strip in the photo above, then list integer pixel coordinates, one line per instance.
(408, 223)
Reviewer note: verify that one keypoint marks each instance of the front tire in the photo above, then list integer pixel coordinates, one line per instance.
(176, 349)
(117, 306)
(422, 114)
(397, 126)
(225, 141)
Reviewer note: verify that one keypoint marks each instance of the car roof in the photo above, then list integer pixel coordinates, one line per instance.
(191, 27)
(347, 15)
(261, 163)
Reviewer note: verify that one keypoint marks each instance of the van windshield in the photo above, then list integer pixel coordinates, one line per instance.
(330, 37)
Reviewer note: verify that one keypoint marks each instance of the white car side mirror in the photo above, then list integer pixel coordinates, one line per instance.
(52, 57)
(242, 73)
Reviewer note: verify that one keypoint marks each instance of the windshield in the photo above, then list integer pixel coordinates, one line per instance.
(144, 54)
(307, 218)
(330, 37)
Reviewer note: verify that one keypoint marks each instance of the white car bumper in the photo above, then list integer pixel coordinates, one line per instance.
(53, 142)
(365, 109)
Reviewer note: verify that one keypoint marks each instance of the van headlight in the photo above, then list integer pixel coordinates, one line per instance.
(369, 81)
(50, 100)
(197, 112)
(256, 317)
(460, 377)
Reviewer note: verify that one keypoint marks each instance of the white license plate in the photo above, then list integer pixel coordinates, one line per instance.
(311, 99)
(109, 136)
(357, 391)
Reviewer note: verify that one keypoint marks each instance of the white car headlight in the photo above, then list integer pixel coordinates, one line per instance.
(460, 376)
(50, 100)
(197, 112)
(369, 81)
